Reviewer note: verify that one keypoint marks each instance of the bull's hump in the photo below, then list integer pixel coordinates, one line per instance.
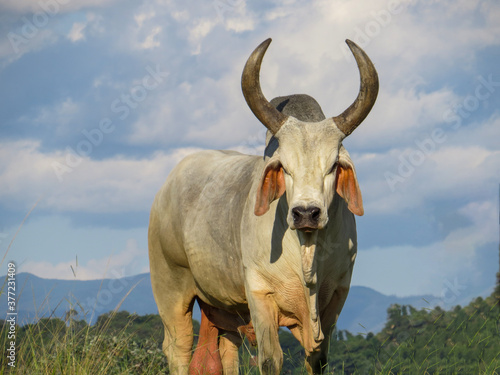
(301, 106)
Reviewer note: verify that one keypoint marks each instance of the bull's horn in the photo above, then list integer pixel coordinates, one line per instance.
(368, 90)
(250, 84)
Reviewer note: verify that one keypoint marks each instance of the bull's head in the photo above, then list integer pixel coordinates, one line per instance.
(310, 163)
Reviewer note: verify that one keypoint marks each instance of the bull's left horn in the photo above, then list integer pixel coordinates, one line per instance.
(250, 84)
(356, 113)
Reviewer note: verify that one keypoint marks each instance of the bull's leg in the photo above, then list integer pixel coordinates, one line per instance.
(175, 308)
(264, 314)
(178, 328)
(174, 291)
(206, 358)
(229, 343)
(316, 362)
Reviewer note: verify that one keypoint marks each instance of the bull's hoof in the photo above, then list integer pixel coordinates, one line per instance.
(269, 367)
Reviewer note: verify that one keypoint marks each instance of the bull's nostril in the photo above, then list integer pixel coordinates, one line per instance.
(315, 212)
(297, 214)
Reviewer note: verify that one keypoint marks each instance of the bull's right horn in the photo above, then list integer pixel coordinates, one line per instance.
(368, 90)
(250, 84)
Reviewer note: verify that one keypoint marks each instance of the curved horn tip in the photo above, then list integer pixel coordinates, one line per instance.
(354, 47)
(350, 43)
(369, 85)
(269, 116)
(264, 44)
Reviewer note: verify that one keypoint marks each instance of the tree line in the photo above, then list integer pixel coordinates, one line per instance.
(463, 340)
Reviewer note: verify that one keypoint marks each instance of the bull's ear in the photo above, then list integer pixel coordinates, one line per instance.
(347, 184)
(271, 187)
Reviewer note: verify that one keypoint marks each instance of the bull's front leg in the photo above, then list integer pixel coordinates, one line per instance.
(264, 313)
(317, 362)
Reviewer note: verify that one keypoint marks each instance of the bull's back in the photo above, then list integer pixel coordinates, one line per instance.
(199, 213)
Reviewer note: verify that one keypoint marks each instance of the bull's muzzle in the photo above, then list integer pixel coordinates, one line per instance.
(306, 219)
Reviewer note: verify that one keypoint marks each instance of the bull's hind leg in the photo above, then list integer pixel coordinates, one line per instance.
(175, 306)
(229, 343)
(174, 291)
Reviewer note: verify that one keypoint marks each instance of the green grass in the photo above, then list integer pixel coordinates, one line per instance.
(52, 346)
(460, 341)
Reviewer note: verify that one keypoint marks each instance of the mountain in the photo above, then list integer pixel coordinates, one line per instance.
(365, 309)
(38, 298)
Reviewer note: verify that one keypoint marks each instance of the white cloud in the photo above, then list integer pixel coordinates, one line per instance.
(76, 32)
(143, 21)
(399, 118)
(23, 167)
(236, 17)
(240, 25)
(55, 6)
(278, 13)
(198, 31)
(406, 106)
(106, 186)
(208, 112)
(142, 17)
(181, 16)
(430, 163)
(404, 179)
(129, 261)
(151, 40)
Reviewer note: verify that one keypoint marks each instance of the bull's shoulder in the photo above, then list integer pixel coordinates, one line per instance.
(203, 199)
(209, 175)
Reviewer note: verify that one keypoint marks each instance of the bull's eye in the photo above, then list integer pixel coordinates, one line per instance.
(333, 168)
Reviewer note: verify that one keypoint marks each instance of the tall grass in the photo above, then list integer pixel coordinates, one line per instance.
(55, 346)
(52, 346)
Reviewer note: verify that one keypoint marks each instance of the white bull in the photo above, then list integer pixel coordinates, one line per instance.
(269, 241)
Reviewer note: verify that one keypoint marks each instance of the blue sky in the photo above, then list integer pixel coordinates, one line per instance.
(100, 99)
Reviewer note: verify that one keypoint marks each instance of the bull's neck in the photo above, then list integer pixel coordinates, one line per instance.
(308, 250)
(309, 271)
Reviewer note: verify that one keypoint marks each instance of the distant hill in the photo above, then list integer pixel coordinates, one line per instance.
(53, 297)
(365, 309)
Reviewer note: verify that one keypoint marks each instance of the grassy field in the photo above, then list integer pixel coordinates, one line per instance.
(464, 340)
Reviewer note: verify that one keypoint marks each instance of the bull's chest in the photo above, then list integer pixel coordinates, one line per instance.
(304, 282)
